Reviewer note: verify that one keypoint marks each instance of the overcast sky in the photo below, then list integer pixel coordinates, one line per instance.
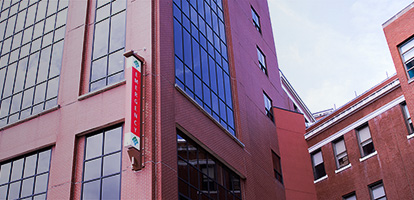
(330, 49)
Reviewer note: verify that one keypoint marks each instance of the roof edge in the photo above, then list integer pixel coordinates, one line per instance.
(399, 14)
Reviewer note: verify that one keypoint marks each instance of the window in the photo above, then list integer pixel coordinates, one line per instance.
(407, 118)
(407, 54)
(268, 106)
(107, 65)
(262, 60)
(341, 155)
(377, 191)
(366, 145)
(201, 60)
(25, 177)
(351, 196)
(31, 45)
(318, 166)
(102, 165)
(277, 167)
(256, 20)
(201, 175)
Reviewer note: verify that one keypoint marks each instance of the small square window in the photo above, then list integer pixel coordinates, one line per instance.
(377, 191)
(317, 164)
(366, 145)
(256, 20)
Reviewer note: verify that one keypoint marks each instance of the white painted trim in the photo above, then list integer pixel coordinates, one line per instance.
(320, 179)
(358, 123)
(368, 156)
(335, 119)
(300, 109)
(410, 136)
(343, 168)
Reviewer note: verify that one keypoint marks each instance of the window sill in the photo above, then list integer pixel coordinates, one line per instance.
(30, 117)
(106, 88)
(209, 116)
(343, 168)
(368, 156)
(320, 179)
(410, 136)
(411, 80)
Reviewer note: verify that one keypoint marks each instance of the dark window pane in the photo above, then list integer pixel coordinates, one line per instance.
(91, 190)
(111, 164)
(27, 187)
(113, 140)
(43, 162)
(93, 146)
(368, 148)
(319, 171)
(110, 188)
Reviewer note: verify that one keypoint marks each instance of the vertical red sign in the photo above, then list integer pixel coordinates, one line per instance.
(133, 112)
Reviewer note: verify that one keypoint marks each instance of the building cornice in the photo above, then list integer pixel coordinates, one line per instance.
(335, 117)
(399, 14)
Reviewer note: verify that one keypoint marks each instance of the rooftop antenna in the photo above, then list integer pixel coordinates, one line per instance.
(355, 94)
(386, 73)
(334, 106)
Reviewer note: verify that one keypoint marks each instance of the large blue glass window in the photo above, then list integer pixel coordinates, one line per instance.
(201, 60)
(31, 48)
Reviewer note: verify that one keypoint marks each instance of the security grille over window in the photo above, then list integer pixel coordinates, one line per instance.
(108, 44)
(202, 176)
(102, 165)
(340, 153)
(201, 60)
(268, 106)
(407, 54)
(256, 20)
(365, 141)
(318, 166)
(25, 177)
(31, 49)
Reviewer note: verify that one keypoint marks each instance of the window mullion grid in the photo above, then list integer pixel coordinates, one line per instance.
(8, 63)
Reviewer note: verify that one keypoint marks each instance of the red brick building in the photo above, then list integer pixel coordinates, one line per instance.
(363, 150)
(215, 121)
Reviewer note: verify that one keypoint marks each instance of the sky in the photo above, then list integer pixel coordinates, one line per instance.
(332, 50)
